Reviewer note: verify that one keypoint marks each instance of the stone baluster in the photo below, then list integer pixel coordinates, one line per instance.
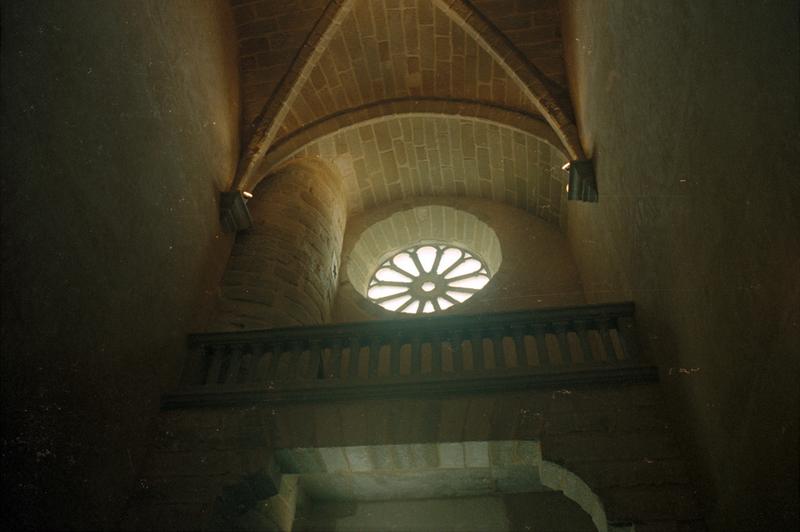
(581, 329)
(416, 355)
(214, 369)
(478, 363)
(335, 362)
(604, 326)
(436, 353)
(394, 355)
(276, 354)
(627, 337)
(540, 333)
(355, 357)
(458, 353)
(560, 329)
(314, 369)
(518, 334)
(374, 356)
(235, 364)
(496, 335)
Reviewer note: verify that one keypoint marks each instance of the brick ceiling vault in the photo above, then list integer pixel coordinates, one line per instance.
(305, 64)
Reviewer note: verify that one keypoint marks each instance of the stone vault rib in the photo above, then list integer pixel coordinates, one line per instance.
(518, 68)
(268, 122)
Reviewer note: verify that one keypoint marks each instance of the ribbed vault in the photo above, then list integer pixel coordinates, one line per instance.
(382, 52)
(356, 54)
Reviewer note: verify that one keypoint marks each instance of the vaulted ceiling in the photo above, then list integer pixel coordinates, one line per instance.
(483, 81)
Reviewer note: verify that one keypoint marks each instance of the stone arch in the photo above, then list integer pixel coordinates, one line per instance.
(444, 469)
(533, 125)
(394, 157)
(609, 433)
(561, 479)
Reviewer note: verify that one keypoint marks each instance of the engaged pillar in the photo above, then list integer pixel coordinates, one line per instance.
(284, 269)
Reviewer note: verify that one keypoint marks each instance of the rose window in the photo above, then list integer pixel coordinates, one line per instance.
(427, 278)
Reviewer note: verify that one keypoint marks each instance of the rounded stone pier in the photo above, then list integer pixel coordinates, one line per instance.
(283, 270)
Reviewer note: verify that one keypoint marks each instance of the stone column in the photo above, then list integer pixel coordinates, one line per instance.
(283, 271)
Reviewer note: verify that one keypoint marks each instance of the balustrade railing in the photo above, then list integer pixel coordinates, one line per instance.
(480, 350)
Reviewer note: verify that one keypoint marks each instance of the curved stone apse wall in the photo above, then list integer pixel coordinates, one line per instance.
(284, 270)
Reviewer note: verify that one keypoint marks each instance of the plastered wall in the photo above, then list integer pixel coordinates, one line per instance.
(119, 130)
(690, 112)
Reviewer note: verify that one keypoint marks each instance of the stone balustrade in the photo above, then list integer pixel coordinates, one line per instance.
(419, 356)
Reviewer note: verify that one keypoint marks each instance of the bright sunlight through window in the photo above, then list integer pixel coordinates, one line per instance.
(427, 278)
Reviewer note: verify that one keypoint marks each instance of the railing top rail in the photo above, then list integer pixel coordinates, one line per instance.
(418, 325)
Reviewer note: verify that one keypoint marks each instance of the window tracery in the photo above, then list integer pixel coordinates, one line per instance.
(427, 278)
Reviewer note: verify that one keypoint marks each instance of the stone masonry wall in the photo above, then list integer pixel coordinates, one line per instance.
(283, 270)
(618, 440)
(401, 156)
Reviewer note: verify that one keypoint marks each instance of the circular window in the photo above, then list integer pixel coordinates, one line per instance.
(427, 278)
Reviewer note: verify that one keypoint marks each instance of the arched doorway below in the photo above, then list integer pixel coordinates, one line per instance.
(458, 486)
